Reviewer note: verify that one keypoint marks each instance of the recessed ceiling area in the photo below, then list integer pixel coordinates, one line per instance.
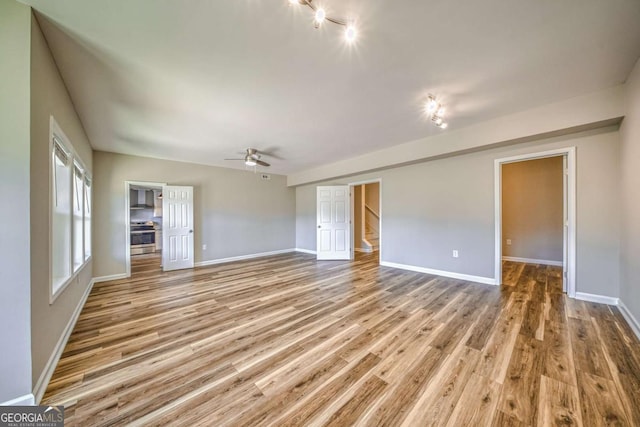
(201, 81)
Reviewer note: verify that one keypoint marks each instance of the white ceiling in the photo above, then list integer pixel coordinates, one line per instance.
(200, 81)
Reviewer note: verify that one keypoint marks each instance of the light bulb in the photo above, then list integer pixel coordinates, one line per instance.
(350, 33)
(443, 126)
(250, 162)
(294, 1)
(438, 121)
(320, 15)
(432, 105)
(441, 111)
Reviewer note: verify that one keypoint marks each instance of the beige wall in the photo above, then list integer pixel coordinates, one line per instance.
(49, 97)
(431, 208)
(15, 347)
(235, 212)
(372, 196)
(532, 209)
(630, 212)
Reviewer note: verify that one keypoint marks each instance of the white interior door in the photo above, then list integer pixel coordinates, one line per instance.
(177, 227)
(334, 222)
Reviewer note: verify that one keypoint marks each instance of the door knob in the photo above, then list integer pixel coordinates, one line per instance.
(319, 226)
(190, 231)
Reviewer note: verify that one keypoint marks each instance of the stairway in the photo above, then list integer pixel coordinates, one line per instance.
(373, 240)
(371, 225)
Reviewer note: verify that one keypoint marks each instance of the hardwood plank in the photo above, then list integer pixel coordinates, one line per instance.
(558, 353)
(486, 324)
(599, 401)
(587, 348)
(558, 404)
(477, 404)
(400, 360)
(396, 404)
(504, 420)
(625, 371)
(443, 391)
(301, 414)
(274, 406)
(555, 308)
(278, 380)
(497, 353)
(511, 273)
(522, 384)
(554, 285)
(576, 309)
(349, 413)
(533, 322)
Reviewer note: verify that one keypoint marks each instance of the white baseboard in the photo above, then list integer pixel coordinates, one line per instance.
(45, 376)
(600, 299)
(306, 251)
(631, 320)
(460, 276)
(26, 400)
(242, 257)
(532, 261)
(110, 278)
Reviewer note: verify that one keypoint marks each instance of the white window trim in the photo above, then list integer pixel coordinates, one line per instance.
(54, 129)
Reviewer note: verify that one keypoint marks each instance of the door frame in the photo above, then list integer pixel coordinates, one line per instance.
(569, 200)
(127, 218)
(352, 219)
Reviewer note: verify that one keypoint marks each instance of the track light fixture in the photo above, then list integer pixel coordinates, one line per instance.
(435, 111)
(320, 16)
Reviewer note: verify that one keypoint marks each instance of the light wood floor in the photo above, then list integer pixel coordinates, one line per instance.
(287, 340)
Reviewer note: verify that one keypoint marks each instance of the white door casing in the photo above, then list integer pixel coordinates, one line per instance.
(569, 234)
(177, 227)
(333, 222)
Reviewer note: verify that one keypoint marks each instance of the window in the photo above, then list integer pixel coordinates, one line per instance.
(78, 217)
(70, 212)
(61, 216)
(87, 217)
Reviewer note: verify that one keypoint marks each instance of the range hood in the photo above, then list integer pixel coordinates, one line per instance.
(141, 202)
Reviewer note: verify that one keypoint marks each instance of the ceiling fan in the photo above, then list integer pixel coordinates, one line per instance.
(252, 158)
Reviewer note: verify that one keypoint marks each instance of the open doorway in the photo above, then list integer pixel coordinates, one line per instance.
(535, 218)
(144, 226)
(366, 218)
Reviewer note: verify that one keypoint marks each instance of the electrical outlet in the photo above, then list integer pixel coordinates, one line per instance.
(508, 241)
(455, 253)
(204, 247)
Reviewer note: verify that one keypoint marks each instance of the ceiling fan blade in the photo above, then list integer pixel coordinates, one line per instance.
(271, 152)
(235, 159)
(262, 163)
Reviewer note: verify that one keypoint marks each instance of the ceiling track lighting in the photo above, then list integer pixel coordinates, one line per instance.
(320, 16)
(435, 111)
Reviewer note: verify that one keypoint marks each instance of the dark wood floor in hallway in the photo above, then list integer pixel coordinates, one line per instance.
(287, 340)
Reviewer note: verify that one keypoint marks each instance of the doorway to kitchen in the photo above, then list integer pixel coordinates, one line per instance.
(143, 226)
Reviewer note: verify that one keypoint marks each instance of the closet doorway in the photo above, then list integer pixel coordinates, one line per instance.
(535, 212)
